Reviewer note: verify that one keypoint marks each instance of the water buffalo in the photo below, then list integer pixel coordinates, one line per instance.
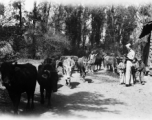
(47, 79)
(19, 78)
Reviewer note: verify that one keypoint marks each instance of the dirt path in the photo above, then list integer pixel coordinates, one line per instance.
(99, 97)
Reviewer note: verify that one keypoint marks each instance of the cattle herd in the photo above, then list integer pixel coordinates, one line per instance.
(20, 78)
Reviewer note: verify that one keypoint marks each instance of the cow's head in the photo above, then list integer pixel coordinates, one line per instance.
(68, 65)
(48, 73)
(45, 70)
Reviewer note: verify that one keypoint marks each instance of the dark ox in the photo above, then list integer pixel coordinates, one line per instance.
(82, 66)
(68, 65)
(19, 78)
(99, 60)
(47, 79)
(110, 62)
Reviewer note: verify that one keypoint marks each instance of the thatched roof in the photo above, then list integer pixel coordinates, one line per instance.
(141, 41)
(146, 29)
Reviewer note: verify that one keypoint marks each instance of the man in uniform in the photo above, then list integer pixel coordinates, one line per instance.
(130, 58)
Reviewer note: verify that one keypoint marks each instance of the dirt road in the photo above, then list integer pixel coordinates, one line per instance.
(100, 97)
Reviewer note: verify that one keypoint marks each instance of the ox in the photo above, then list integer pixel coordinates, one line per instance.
(68, 65)
(47, 79)
(110, 61)
(82, 66)
(19, 78)
(138, 67)
(59, 63)
(91, 61)
(98, 61)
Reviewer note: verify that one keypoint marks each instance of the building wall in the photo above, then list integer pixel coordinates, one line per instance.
(145, 54)
(150, 53)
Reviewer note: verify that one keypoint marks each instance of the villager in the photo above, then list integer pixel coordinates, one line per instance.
(130, 58)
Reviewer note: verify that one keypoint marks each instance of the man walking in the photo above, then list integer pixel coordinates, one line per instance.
(130, 58)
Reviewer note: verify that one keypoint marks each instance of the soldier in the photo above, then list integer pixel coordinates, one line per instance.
(130, 58)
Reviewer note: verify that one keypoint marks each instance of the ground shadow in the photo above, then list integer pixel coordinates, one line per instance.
(108, 73)
(82, 101)
(88, 80)
(74, 84)
(98, 70)
(138, 82)
(59, 86)
(104, 77)
(66, 105)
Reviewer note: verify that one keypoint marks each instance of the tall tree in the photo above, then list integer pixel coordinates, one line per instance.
(120, 25)
(74, 24)
(98, 20)
(86, 23)
(2, 9)
(18, 6)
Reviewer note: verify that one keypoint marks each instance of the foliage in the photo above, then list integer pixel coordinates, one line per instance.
(1, 9)
(97, 23)
(120, 25)
(71, 29)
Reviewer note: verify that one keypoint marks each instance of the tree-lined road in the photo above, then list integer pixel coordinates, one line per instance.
(100, 96)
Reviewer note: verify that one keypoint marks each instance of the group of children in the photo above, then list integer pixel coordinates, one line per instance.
(138, 67)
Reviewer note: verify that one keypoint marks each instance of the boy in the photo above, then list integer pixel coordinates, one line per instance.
(141, 70)
(121, 70)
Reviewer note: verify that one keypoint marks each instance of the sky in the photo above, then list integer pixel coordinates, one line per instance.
(29, 3)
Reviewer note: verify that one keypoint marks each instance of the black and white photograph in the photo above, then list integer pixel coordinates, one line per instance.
(76, 59)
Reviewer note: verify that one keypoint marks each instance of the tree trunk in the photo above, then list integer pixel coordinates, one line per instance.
(20, 12)
(34, 47)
